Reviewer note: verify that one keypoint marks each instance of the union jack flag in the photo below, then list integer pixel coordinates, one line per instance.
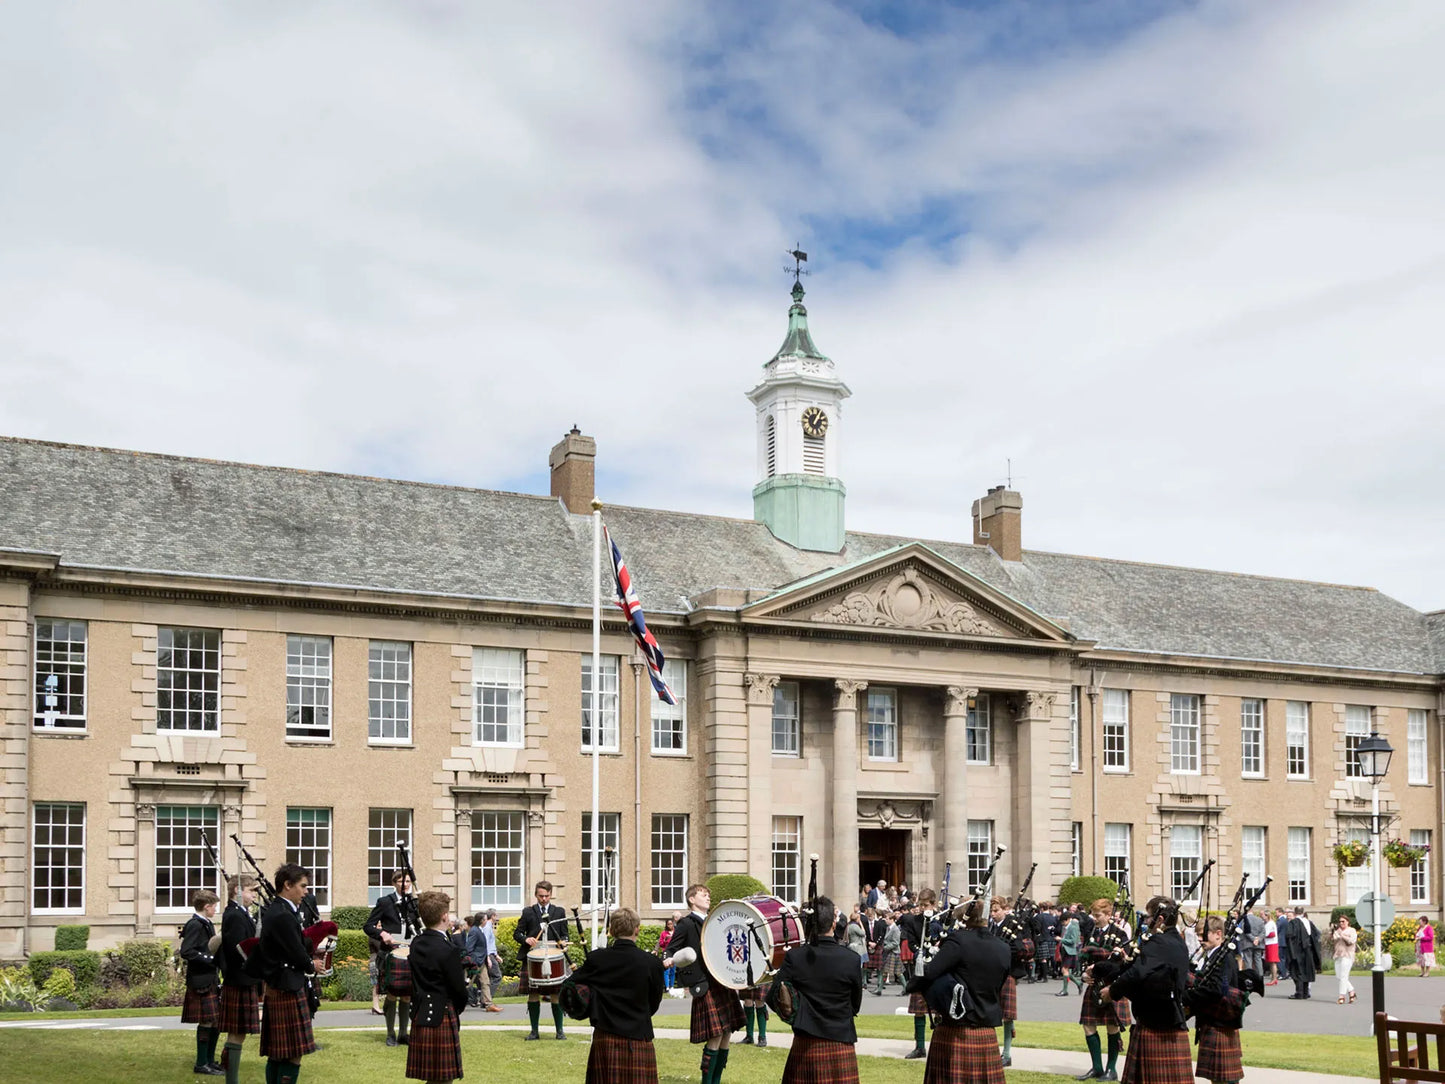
(628, 604)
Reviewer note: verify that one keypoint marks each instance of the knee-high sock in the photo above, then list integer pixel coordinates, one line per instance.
(1116, 1043)
(388, 1009)
(287, 1072)
(271, 1064)
(719, 1063)
(403, 1023)
(534, 1014)
(1008, 1037)
(708, 1053)
(1065, 990)
(233, 1063)
(918, 1031)
(557, 1016)
(211, 1039)
(1096, 1053)
(762, 1021)
(203, 1038)
(750, 1015)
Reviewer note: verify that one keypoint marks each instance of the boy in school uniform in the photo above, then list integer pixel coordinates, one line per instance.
(439, 994)
(202, 1006)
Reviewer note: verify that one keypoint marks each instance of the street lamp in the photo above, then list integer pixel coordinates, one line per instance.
(1373, 754)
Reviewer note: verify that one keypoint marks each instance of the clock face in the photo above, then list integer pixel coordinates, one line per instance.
(815, 422)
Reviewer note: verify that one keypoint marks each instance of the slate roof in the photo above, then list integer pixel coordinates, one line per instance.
(126, 510)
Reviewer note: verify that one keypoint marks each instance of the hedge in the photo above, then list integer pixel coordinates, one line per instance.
(71, 938)
(145, 960)
(82, 963)
(734, 886)
(352, 944)
(350, 918)
(1086, 890)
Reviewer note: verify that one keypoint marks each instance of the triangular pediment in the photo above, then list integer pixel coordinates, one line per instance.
(907, 589)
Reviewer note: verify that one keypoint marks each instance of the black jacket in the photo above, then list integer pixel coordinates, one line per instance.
(1304, 949)
(200, 964)
(236, 926)
(529, 924)
(688, 934)
(390, 915)
(830, 989)
(980, 961)
(1154, 983)
(627, 988)
(436, 971)
(285, 956)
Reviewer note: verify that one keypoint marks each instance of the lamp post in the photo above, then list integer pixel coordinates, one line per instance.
(1373, 754)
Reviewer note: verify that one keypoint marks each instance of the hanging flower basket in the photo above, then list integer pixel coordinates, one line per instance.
(1402, 855)
(1352, 854)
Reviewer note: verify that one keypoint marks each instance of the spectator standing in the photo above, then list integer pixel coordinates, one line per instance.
(1304, 953)
(1282, 920)
(1425, 946)
(494, 958)
(1252, 950)
(1271, 948)
(857, 935)
(669, 975)
(1342, 941)
(892, 943)
(1069, 953)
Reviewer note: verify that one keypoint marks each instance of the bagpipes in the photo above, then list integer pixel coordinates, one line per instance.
(1203, 998)
(320, 936)
(1121, 949)
(1016, 929)
(781, 997)
(947, 995)
(576, 997)
(213, 946)
(411, 917)
(928, 940)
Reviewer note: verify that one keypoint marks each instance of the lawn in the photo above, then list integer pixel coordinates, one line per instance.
(118, 1057)
(164, 1010)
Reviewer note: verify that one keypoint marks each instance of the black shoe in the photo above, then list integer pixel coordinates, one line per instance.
(208, 1070)
(1109, 1074)
(1092, 1074)
(762, 1041)
(1007, 1060)
(404, 1040)
(561, 1035)
(391, 1040)
(1062, 993)
(533, 1037)
(218, 1065)
(746, 1042)
(916, 1052)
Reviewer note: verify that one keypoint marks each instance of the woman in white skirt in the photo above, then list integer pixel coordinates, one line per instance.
(1343, 938)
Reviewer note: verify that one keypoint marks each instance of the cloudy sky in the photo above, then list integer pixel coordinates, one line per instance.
(1181, 262)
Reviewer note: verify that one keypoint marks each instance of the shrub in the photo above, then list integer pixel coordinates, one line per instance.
(349, 918)
(647, 937)
(1085, 890)
(734, 886)
(1403, 955)
(352, 980)
(114, 974)
(85, 996)
(145, 959)
(18, 992)
(60, 984)
(71, 938)
(331, 991)
(83, 965)
(1402, 930)
(506, 947)
(352, 944)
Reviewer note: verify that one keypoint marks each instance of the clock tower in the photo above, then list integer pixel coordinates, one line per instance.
(799, 415)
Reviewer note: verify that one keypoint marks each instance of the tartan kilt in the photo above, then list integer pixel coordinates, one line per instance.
(202, 1007)
(394, 973)
(286, 1025)
(1219, 1055)
(717, 1012)
(969, 1054)
(240, 1009)
(1095, 1012)
(1008, 998)
(917, 1004)
(820, 1061)
(754, 993)
(435, 1053)
(1158, 1057)
(616, 1060)
(875, 958)
(524, 985)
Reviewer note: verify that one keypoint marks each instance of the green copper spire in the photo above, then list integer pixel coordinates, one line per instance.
(799, 343)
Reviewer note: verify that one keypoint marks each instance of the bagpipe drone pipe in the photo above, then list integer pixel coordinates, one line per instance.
(781, 997)
(947, 994)
(1210, 1002)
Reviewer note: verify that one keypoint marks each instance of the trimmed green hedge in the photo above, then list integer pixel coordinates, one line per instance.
(352, 944)
(71, 938)
(734, 886)
(350, 918)
(81, 963)
(1086, 890)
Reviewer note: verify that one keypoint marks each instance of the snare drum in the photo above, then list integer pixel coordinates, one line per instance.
(758, 929)
(547, 965)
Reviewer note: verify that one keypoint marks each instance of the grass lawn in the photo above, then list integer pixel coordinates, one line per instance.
(119, 1057)
(172, 1010)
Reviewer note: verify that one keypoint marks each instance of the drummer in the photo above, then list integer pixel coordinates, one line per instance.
(716, 1010)
(543, 922)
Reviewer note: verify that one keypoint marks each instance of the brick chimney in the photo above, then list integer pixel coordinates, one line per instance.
(997, 523)
(574, 471)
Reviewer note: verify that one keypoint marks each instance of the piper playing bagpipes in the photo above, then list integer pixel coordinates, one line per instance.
(1218, 992)
(1154, 980)
(393, 923)
(1010, 922)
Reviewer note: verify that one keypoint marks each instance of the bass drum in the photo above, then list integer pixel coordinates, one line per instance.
(756, 931)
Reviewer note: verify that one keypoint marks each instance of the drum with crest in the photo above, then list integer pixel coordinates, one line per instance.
(743, 941)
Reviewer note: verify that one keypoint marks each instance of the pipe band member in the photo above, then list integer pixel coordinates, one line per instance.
(627, 985)
(1155, 982)
(716, 1010)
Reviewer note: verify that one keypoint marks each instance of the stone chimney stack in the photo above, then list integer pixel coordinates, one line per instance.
(997, 523)
(574, 471)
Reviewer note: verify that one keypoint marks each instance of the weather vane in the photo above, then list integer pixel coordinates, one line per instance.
(799, 259)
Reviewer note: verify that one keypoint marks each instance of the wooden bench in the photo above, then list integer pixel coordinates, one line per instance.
(1409, 1050)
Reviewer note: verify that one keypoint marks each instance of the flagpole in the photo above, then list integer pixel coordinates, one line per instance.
(596, 707)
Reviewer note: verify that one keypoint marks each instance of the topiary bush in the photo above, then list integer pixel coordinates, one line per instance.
(71, 938)
(146, 960)
(350, 918)
(1085, 890)
(353, 944)
(734, 886)
(83, 965)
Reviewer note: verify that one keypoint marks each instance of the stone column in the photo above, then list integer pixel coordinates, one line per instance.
(844, 874)
(760, 773)
(953, 786)
(462, 862)
(1040, 810)
(15, 783)
(145, 868)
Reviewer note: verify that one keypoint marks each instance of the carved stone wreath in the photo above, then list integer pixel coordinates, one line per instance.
(908, 602)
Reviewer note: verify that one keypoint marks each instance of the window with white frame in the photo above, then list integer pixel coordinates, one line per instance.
(1075, 730)
(1184, 734)
(1116, 730)
(1186, 849)
(1298, 853)
(385, 829)
(183, 866)
(608, 837)
(669, 721)
(1251, 738)
(498, 846)
(1076, 849)
(608, 719)
(978, 734)
(1297, 739)
(882, 724)
(57, 858)
(980, 852)
(1420, 871)
(1417, 747)
(788, 858)
(308, 690)
(1251, 853)
(1358, 879)
(188, 680)
(308, 844)
(1357, 729)
(389, 692)
(60, 657)
(1118, 840)
(498, 697)
(669, 859)
(787, 736)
